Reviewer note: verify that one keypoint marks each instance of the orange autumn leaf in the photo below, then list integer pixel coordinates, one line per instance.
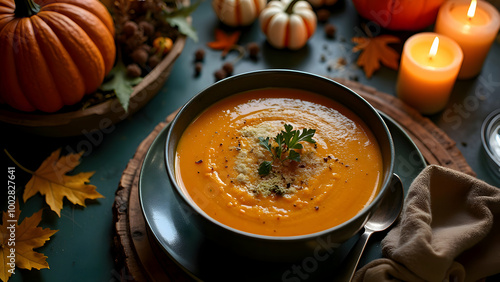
(50, 180)
(374, 51)
(19, 240)
(224, 41)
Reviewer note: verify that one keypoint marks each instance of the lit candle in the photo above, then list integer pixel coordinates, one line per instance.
(429, 67)
(474, 26)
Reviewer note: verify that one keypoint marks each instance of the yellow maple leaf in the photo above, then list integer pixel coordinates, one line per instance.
(19, 240)
(375, 50)
(51, 181)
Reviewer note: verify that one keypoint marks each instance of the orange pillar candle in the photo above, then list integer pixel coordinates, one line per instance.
(474, 26)
(428, 71)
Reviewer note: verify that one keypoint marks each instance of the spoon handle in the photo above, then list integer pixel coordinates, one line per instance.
(350, 263)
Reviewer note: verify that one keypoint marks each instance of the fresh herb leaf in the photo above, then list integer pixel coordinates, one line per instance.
(287, 141)
(294, 156)
(307, 135)
(264, 142)
(121, 84)
(278, 150)
(178, 18)
(265, 167)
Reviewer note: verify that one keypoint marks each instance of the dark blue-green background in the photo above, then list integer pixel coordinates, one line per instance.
(82, 248)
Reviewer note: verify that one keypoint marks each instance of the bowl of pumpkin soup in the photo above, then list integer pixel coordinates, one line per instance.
(279, 164)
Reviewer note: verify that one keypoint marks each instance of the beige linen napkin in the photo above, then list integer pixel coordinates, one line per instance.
(449, 230)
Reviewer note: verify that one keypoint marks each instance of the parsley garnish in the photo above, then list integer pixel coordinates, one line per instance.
(286, 141)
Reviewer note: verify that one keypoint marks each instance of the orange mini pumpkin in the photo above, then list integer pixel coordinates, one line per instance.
(53, 52)
(399, 14)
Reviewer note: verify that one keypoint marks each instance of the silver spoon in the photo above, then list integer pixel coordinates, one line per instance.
(386, 214)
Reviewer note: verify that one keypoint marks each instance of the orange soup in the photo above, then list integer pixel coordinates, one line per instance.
(219, 154)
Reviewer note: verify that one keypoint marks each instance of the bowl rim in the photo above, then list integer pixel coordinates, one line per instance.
(375, 202)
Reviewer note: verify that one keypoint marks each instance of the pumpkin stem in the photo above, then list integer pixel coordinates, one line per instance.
(26, 8)
(289, 8)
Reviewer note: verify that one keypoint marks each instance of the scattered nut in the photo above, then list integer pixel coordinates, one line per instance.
(139, 56)
(129, 28)
(330, 30)
(133, 70)
(147, 28)
(228, 68)
(199, 55)
(323, 15)
(220, 74)
(198, 66)
(253, 50)
(153, 61)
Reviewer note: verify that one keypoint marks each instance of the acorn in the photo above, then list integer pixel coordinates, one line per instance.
(129, 28)
(147, 28)
(139, 56)
(133, 70)
(153, 61)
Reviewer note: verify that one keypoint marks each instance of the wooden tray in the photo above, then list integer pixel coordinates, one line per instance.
(136, 253)
(98, 116)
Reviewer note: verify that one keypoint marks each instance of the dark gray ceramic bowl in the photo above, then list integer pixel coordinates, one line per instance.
(271, 247)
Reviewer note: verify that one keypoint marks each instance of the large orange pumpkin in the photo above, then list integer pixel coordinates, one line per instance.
(399, 14)
(53, 52)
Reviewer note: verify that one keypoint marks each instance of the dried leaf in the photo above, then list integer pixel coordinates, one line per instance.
(121, 84)
(375, 50)
(224, 41)
(27, 236)
(178, 18)
(50, 180)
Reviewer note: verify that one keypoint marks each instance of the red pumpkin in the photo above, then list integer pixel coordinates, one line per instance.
(399, 14)
(53, 52)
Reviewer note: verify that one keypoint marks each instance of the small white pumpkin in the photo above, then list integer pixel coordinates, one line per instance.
(320, 3)
(288, 23)
(238, 12)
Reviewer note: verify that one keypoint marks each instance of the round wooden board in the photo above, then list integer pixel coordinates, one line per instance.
(140, 256)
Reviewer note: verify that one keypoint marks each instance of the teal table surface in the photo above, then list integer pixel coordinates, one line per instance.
(82, 248)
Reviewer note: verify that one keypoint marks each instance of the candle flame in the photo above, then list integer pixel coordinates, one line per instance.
(472, 9)
(434, 48)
